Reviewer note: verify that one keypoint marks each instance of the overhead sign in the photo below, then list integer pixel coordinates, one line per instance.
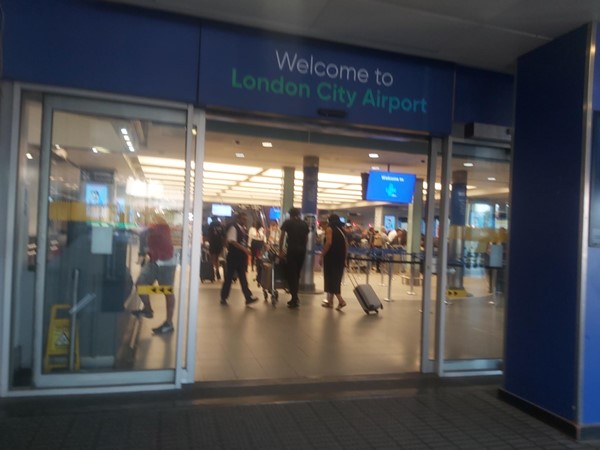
(243, 69)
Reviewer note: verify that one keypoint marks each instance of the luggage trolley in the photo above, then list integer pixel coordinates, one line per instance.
(271, 276)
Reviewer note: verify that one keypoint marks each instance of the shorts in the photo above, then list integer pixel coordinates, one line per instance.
(151, 272)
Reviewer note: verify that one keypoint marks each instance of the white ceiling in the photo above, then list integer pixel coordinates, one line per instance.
(489, 34)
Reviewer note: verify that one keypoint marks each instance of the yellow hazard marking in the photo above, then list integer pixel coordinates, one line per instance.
(146, 289)
(456, 293)
(59, 339)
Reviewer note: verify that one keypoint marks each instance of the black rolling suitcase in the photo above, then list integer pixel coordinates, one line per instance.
(207, 270)
(368, 299)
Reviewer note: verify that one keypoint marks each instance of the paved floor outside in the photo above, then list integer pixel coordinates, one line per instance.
(417, 412)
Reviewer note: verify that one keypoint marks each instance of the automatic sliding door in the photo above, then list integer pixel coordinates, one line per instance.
(470, 298)
(111, 218)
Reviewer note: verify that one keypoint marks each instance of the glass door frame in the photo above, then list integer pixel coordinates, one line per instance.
(443, 366)
(90, 103)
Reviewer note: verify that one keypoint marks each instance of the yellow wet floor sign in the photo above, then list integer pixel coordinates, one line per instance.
(59, 340)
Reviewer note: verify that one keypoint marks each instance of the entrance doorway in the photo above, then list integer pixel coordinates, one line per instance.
(67, 198)
(243, 170)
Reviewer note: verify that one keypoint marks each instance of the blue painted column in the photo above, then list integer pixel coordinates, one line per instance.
(553, 301)
(309, 213)
(456, 244)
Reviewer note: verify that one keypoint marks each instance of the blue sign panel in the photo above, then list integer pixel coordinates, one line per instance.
(246, 70)
(391, 187)
(458, 204)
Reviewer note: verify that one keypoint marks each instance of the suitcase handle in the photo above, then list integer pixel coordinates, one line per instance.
(353, 280)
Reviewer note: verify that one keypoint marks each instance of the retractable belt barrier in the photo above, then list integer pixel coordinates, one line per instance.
(370, 256)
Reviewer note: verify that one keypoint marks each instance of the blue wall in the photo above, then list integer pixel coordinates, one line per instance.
(485, 97)
(82, 44)
(591, 341)
(542, 305)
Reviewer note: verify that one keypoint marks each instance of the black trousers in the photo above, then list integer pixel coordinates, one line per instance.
(293, 267)
(237, 262)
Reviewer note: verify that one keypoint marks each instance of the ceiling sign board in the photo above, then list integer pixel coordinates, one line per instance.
(253, 71)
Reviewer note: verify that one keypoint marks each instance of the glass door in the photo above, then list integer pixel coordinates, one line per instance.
(470, 295)
(112, 265)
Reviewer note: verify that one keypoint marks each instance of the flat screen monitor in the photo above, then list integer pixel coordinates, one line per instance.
(390, 187)
(274, 213)
(96, 194)
(389, 222)
(221, 210)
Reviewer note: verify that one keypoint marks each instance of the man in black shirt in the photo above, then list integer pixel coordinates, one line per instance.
(237, 259)
(294, 232)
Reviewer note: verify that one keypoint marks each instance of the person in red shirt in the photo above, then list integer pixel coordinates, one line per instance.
(159, 266)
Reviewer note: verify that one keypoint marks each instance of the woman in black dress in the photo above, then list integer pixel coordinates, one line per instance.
(334, 261)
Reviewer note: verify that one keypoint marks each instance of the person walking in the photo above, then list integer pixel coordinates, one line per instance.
(159, 265)
(216, 242)
(335, 254)
(294, 234)
(237, 259)
(256, 241)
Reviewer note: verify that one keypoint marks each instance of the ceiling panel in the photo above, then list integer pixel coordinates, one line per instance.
(441, 29)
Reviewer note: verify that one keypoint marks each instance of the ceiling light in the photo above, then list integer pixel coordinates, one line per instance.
(345, 179)
(124, 131)
(240, 155)
(194, 130)
(94, 149)
(267, 144)
(29, 156)
(273, 173)
(491, 178)
(353, 187)
(373, 155)
(260, 185)
(267, 180)
(163, 162)
(328, 184)
(256, 189)
(127, 138)
(225, 176)
(230, 168)
(375, 168)
(164, 171)
(468, 164)
(469, 187)
(220, 182)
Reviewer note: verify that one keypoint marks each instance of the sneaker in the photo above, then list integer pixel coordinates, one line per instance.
(223, 301)
(148, 314)
(293, 305)
(251, 300)
(166, 327)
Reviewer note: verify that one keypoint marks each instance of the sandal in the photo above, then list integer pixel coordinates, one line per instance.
(340, 306)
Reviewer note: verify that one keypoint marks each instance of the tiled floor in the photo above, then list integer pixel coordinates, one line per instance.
(418, 413)
(261, 342)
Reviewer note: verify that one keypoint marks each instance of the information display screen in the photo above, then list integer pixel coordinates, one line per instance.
(390, 187)
(274, 213)
(221, 210)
